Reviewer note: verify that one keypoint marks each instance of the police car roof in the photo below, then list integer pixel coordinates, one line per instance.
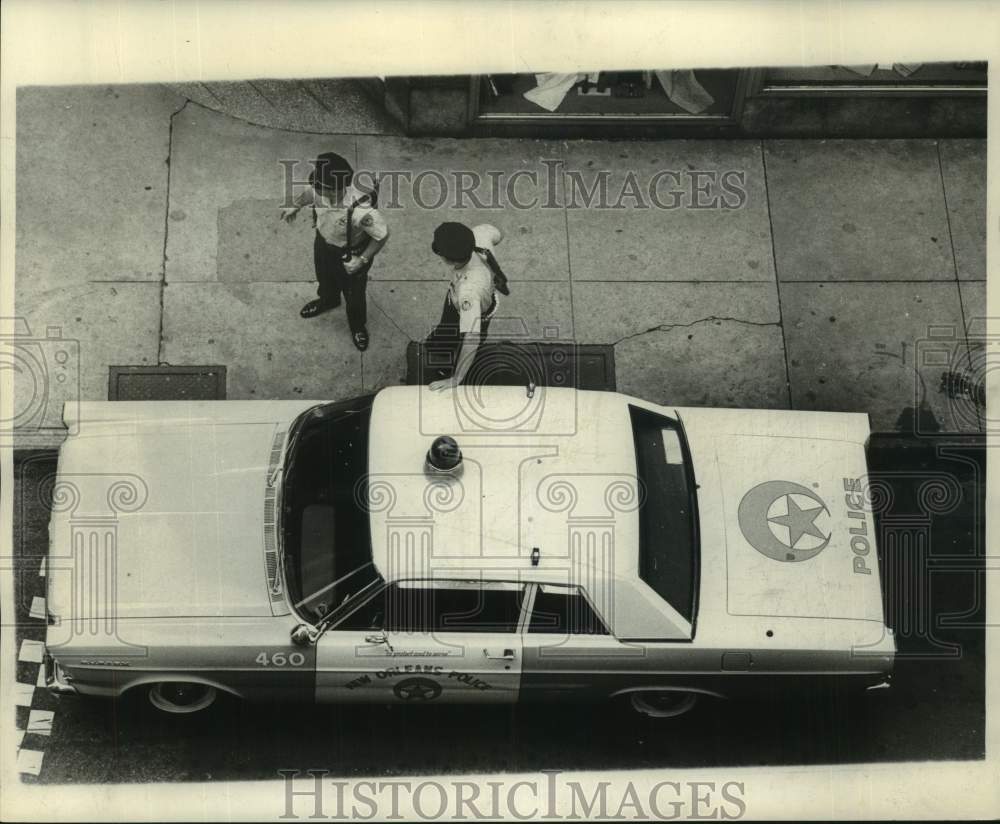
(531, 477)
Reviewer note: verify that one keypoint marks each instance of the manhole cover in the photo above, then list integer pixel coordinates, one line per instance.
(167, 383)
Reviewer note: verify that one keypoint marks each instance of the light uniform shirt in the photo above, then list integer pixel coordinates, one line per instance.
(471, 291)
(331, 219)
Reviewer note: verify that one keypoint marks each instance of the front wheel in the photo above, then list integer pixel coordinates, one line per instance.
(181, 698)
(663, 703)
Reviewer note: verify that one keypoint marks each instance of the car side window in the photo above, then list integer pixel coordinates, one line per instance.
(564, 610)
(371, 615)
(440, 607)
(446, 607)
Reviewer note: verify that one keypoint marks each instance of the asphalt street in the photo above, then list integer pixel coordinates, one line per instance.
(934, 710)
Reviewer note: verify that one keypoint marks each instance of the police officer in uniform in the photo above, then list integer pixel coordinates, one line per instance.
(471, 301)
(350, 231)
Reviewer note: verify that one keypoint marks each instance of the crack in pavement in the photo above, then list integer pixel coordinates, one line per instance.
(166, 230)
(664, 327)
(389, 318)
(402, 355)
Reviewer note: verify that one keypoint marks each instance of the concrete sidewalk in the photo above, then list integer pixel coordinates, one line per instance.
(848, 262)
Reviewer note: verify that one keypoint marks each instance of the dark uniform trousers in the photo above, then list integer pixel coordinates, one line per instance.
(445, 341)
(334, 280)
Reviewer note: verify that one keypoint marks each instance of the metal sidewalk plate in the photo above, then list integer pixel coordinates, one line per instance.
(167, 383)
(504, 363)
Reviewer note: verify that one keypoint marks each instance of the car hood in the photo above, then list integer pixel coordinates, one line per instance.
(162, 515)
(787, 525)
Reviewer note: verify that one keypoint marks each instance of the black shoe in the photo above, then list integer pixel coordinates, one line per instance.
(360, 340)
(317, 307)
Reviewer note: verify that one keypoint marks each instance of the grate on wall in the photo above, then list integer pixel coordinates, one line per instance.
(566, 364)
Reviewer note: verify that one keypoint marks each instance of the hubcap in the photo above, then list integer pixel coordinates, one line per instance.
(178, 697)
(664, 704)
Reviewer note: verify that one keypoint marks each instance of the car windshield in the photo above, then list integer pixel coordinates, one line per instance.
(668, 516)
(326, 538)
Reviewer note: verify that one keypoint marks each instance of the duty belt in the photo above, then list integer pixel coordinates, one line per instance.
(357, 250)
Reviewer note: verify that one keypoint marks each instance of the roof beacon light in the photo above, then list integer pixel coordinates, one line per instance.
(444, 456)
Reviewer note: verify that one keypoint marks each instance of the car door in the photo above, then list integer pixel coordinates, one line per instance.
(426, 641)
(568, 652)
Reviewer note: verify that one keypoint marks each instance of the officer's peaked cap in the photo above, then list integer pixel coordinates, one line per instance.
(332, 170)
(454, 241)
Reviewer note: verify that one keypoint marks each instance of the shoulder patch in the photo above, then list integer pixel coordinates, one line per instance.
(367, 220)
(466, 305)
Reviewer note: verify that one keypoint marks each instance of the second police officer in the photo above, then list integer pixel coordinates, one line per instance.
(350, 231)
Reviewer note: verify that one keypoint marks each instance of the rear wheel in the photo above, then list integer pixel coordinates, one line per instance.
(663, 703)
(180, 697)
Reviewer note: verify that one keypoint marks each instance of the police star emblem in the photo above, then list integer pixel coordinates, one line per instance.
(778, 519)
(417, 689)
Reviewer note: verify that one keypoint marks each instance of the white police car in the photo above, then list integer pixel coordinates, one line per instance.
(565, 545)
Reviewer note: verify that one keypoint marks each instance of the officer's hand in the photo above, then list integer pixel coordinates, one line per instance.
(288, 214)
(447, 383)
(352, 265)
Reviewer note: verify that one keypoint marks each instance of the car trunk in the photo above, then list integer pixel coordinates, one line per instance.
(800, 539)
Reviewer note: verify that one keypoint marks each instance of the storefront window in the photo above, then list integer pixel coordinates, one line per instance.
(710, 94)
(890, 78)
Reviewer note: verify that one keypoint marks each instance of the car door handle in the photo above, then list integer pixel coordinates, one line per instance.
(379, 638)
(508, 655)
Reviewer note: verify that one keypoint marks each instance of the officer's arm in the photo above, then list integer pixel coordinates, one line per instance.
(303, 198)
(375, 246)
(492, 233)
(377, 230)
(466, 354)
(468, 324)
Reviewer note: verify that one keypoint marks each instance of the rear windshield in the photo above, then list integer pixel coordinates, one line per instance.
(668, 518)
